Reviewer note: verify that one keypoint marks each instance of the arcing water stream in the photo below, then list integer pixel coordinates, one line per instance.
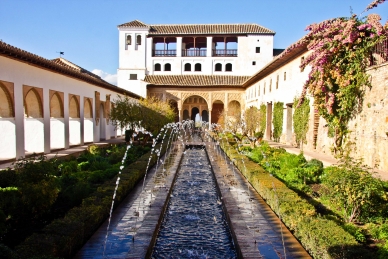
(158, 220)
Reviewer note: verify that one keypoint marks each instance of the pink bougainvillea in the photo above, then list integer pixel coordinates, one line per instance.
(338, 59)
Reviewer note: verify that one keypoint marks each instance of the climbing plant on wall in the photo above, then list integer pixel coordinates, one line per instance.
(300, 120)
(277, 121)
(340, 48)
(263, 118)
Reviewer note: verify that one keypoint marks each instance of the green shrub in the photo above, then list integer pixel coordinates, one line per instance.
(321, 237)
(83, 166)
(355, 231)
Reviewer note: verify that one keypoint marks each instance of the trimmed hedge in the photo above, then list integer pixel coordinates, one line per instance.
(63, 237)
(321, 237)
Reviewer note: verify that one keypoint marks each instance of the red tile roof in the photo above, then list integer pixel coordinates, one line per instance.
(203, 29)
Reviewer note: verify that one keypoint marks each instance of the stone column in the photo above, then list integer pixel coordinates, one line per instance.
(210, 118)
(19, 119)
(209, 46)
(180, 112)
(179, 46)
(46, 120)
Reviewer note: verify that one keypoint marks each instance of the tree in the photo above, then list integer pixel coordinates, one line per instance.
(301, 121)
(339, 57)
(252, 120)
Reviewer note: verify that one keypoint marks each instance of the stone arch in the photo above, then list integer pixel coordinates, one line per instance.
(88, 109)
(56, 106)
(6, 103)
(33, 104)
(205, 115)
(186, 115)
(217, 111)
(234, 108)
(174, 105)
(194, 112)
(205, 96)
(74, 107)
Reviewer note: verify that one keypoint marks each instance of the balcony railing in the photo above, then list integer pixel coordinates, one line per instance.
(224, 52)
(164, 53)
(193, 52)
(379, 54)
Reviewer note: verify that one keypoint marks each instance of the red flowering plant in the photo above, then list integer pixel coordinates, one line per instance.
(340, 48)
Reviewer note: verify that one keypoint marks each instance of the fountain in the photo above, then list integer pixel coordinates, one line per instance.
(209, 212)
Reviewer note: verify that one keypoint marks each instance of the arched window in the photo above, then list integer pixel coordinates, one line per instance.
(128, 40)
(56, 110)
(167, 67)
(187, 67)
(33, 105)
(6, 106)
(218, 67)
(264, 89)
(158, 67)
(73, 108)
(228, 67)
(301, 62)
(270, 85)
(285, 76)
(138, 39)
(198, 67)
(88, 110)
(277, 81)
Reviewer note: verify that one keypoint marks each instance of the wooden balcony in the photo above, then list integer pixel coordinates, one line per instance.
(193, 52)
(164, 53)
(379, 54)
(224, 52)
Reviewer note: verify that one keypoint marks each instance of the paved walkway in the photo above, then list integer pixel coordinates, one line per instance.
(326, 159)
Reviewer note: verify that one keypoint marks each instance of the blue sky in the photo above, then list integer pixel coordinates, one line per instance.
(87, 32)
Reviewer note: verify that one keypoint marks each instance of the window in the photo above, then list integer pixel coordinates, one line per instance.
(218, 67)
(264, 89)
(187, 67)
(158, 67)
(132, 76)
(197, 67)
(277, 81)
(270, 85)
(301, 62)
(228, 67)
(257, 49)
(259, 90)
(285, 76)
(167, 67)
(138, 39)
(128, 40)
(253, 63)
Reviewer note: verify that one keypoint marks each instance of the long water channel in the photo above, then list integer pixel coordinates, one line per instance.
(194, 225)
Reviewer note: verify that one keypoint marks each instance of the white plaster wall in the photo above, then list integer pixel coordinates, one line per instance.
(30, 137)
(134, 56)
(57, 133)
(287, 89)
(75, 131)
(34, 135)
(8, 138)
(88, 130)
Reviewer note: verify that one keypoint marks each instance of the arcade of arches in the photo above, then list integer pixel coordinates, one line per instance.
(209, 104)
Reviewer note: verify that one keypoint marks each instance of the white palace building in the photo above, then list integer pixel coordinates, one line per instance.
(199, 68)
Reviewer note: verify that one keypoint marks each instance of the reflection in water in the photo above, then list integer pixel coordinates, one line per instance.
(194, 225)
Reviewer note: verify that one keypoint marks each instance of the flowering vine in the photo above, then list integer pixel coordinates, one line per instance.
(339, 54)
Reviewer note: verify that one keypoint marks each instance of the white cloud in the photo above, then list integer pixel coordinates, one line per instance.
(106, 76)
